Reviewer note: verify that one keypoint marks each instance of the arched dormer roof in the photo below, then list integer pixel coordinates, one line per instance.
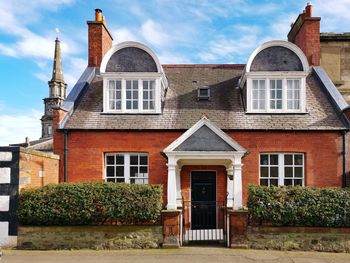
(277, 56)
(130, 56)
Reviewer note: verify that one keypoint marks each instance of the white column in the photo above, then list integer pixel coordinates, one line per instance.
(237, 187)
(229, 186)
(178, 186)
(171, 183)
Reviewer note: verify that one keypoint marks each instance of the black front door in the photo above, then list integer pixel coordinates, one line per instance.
(203, 199)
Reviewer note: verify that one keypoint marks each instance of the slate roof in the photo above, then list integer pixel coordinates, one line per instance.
(181, 109)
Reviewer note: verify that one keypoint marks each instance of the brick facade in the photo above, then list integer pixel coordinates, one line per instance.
(322, 150)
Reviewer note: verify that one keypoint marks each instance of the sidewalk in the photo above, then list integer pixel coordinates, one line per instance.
(185, 254)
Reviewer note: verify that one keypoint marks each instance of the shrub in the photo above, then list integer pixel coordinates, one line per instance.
(90, 203)
(299, 206)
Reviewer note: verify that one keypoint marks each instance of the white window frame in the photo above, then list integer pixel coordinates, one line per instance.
(284, 76)
(126, 166)
(140, 77)
(281, 175)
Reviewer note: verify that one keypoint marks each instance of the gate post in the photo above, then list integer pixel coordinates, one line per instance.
(237, 226)
(171, 220)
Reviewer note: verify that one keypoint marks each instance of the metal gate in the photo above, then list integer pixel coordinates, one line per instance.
(203, 221)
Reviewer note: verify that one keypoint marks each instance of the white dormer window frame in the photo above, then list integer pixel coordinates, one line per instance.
(129, 102)
(279, 98)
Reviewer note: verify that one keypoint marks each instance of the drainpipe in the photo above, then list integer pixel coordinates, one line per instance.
(344, 133)
(65, 155)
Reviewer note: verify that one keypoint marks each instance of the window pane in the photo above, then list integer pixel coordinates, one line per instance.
(274, 182)
(120, 180)
(264, 171)
(128, 105)
(288, 182)
(145, 105)
(134, 171)
(288, 159)
(151, 105)
(143, 171)
(111, 180)
(255, 105)
(288, 171)
(135, 95)
(273, 171)
(274, 159)
(264, 159)
(298, 159)
(135, 105)
(128, 94)
(298, 182)
(145, 95)
(110, 171)
(264, 182)
(134, 159)
(298, 172)
(110, 159)
(119, 159)
(128, 84)
(119, 171)
(143, 159)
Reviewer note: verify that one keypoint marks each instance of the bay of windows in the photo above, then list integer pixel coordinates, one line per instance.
(276, 95)
(131, 95)
(282, 169)
(126, 168)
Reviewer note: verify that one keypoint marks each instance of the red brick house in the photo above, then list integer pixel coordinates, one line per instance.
(205, 132)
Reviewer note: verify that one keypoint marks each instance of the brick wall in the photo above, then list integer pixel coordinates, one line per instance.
(37, 168)
(323, 162)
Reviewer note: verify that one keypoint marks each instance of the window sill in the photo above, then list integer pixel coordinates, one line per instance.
(129, 113)
(277, 113)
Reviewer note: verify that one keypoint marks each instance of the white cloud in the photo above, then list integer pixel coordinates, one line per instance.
(154, 33)
(124, 34)
(15, 127)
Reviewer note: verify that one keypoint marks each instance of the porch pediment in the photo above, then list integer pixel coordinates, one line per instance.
(204, 136)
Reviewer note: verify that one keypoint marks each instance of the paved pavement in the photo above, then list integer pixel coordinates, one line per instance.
(185, 254)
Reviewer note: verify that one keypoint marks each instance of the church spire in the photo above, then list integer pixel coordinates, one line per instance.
(57, 94)
(57, 74)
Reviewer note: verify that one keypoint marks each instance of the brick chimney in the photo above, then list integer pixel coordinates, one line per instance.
(100, 39)
(305, 33)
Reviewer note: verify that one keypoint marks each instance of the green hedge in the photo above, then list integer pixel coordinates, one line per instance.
(299, 206)
(90, 203)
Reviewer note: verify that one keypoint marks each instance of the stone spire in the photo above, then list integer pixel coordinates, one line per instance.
(57, 74)
(57, 93)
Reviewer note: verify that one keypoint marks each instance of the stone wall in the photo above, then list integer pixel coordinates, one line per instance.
(89, 237)
(300, 238)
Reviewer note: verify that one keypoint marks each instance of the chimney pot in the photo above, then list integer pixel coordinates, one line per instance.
(308, 10)
(98, 15)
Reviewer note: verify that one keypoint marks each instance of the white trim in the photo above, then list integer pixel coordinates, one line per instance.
(204, 121)
(126, 44)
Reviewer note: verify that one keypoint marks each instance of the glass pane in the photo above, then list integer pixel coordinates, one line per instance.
(262, 105)
(255, 105)
(298, 159)
(120, 180)
(273, 104)
(273, 171)
(288, 171)
(119, 159)
(135, 84)
(128, 105)
(264, 172)
(134, 171)
(111, 180)
(274, 182)
(264, 182)
(145, 105)
(110, 159)
(128, 84)
(145, 85)
(264, 159)
(143, 171)
(135, 95)
(118, 94)
(135, 105)
(151, 105)
(288, 182)
(110, 171)
(273, 159)
(145, 95)
(119, 171)
(298, 172)
(134, 159)
(151, 94)
(298, 182)
(279, 94)
(279, 104)
(128, 94)
(290, 105)
(288, 159)
(111, 105)
(118, 85)
(143, 159)
(255, 84)
(279, 84)
(118, 105)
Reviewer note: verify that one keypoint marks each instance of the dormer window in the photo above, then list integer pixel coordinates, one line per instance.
(275, 79)
(203, 93)
(133, 80)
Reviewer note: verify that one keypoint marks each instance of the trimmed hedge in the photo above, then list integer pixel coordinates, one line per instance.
(299, 206)
(90, 204)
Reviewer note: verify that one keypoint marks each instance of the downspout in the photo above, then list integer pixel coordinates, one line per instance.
(65, 155)
(344, 133)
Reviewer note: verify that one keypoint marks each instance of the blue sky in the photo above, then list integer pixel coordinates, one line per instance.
(179, 31)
